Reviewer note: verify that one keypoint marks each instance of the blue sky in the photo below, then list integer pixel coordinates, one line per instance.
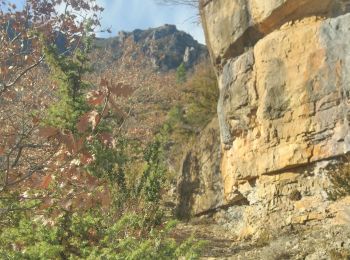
(128, 15)
(142, 14)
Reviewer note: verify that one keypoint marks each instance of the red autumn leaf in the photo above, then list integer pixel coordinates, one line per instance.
(91, 181)
(83, 123)
(46, 181)
(95, 101)
(48, 131)
(106, 138)
(4, 70)
(86, 158)
(95, 98)
(35, 120)
(69, 141)
(92, 118)
(79, 144)
(46, 203)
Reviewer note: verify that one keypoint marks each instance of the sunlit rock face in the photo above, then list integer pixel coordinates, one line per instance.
(284, 75)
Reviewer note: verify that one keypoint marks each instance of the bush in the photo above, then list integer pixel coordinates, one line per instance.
(181, 76)
(192, 114)
(92, 235)
(132, 225)
(340, 179)
(123, 219)
(202, 94)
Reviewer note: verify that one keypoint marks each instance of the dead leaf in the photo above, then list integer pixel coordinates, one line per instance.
(96, 98)
(35, 120)
(46, 182)
(48, 131)
(94, 119)
(86, 158)
(83, 123)
(69, 141)
(46, 203)
(106, 138)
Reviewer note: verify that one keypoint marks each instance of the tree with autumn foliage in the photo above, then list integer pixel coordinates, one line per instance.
(65, 190)
(25, 92)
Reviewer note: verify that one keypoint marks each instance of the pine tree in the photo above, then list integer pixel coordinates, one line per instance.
(68, 71)
(181, 76)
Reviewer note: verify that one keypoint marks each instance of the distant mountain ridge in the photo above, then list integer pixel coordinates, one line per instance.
(165, 47)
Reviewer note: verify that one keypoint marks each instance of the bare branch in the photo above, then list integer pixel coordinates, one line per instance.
(5, 87)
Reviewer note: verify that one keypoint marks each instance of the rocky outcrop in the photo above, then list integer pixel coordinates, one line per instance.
(199, 185)
(284, 75)
(165, 46)
(233, 26)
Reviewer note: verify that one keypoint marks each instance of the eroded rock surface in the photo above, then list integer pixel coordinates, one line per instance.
(233, 25)
(284, 76)
(200, 187)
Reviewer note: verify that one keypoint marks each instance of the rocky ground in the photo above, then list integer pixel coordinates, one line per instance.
(303, 242)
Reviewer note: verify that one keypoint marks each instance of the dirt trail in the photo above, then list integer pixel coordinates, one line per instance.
(311, 243)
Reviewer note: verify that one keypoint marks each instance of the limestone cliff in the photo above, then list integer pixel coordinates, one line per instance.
(284, 75)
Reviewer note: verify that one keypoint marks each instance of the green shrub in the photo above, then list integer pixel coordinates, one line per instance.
(202, 96)
(181, 76)
(191, 115)
(131, 226)
(198, 107)
(109, 162)
(91, 235)
(340, 179)
(68, 72)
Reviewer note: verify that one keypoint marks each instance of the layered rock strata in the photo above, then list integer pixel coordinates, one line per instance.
(284, 75)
